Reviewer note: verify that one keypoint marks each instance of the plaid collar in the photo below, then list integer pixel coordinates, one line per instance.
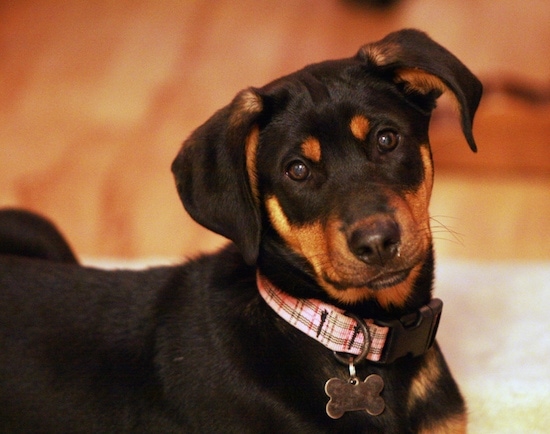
(413, 334)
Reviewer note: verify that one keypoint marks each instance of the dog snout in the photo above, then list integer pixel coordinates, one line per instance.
(375, 241)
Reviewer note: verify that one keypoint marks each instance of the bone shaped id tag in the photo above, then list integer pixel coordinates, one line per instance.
(353, 395)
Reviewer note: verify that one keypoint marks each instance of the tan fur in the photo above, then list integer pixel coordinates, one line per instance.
(422, 385)
(423, 82)
(359, 127)
(456, 424)
(427, 162)
(420, 81)
(426, 379)
(397, 295)
(251, 148)
(311, 148)
(419, 200)
(381, 55)
(304, 240)
(247, 102)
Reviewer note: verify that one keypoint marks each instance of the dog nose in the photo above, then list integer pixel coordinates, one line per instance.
(376, 241)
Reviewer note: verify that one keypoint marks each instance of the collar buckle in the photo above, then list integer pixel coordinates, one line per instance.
(411, 336)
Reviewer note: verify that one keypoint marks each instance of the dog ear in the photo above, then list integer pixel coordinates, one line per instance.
(426, 69)
(215, 177)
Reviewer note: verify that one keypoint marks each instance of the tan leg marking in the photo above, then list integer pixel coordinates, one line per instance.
(425, 379)
(421, 388)
(456, 424)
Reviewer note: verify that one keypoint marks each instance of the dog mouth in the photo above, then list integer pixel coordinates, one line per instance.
(387, 280)
(382, 280)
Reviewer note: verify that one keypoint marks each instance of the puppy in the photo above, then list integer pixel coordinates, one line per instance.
(318, 317)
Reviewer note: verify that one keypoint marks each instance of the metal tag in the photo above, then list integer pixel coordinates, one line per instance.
(353, 395)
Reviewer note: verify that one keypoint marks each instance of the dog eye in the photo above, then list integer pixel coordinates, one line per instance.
(297, 171)
(387, 140)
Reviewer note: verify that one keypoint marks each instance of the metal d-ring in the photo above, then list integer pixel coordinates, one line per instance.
(348, 359)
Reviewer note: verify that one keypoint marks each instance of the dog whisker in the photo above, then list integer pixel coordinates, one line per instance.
(441, 228)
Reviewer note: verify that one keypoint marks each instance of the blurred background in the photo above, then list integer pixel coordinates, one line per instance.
(96, 98)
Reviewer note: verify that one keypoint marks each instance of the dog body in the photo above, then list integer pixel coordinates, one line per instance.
(322, 180)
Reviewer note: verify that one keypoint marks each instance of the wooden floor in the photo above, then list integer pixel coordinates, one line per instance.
(96, 98)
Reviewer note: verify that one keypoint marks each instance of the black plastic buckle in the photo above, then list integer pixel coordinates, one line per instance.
(412, 334)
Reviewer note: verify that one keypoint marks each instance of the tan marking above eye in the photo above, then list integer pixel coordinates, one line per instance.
(311, 148)
(359, 126)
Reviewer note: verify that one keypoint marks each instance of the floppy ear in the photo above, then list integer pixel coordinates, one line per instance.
(213, 176)
(426, 69)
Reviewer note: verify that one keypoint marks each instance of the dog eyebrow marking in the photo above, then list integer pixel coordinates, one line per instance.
(311, 149)
(359, 127)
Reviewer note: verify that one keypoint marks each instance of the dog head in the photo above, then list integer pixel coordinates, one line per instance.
(328, 171)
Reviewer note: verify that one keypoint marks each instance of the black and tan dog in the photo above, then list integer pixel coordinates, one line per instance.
(319, 318)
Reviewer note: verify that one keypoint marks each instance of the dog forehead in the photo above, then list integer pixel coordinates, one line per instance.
(325, 103)
(322, 83)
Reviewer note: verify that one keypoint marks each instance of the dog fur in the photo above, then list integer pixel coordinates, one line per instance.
(321, 180)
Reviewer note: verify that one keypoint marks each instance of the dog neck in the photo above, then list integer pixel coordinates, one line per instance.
(376, 341)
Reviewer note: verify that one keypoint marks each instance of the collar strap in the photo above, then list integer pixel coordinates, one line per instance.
(412, 334)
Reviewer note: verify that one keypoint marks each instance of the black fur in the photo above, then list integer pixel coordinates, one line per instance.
(194, 348)
(24, 233)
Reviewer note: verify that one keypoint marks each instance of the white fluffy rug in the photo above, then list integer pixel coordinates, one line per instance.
(495, 334)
